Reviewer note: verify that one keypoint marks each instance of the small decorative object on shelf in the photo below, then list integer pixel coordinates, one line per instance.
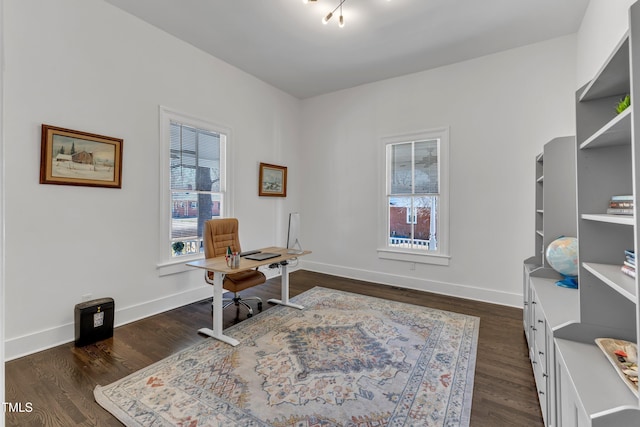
(623, 355)
(621, 205)
(623, 104)
(562, 255)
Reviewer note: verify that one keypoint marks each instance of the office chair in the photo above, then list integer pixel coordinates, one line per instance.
(220, 234)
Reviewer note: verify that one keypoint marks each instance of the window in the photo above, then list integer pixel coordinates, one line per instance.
(193, 172)
(415, 197)
(411, 217)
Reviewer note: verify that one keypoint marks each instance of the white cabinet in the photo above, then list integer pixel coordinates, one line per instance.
(552, 307)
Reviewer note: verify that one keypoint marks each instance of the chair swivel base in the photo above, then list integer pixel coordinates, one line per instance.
(237, 301)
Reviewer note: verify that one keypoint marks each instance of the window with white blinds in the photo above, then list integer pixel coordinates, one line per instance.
(416, 197)
(194, 185)
(196, 195)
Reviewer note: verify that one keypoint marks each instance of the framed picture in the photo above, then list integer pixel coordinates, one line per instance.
(273, 180)
(71, 157)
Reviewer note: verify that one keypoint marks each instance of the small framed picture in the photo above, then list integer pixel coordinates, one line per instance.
(71, 157)
(272, 181)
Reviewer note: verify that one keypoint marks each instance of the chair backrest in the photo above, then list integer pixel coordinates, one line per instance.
(219, 234)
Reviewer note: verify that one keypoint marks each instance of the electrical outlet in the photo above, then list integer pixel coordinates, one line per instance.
(86, 297)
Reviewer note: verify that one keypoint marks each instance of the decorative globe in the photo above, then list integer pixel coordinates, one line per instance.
(562, 256)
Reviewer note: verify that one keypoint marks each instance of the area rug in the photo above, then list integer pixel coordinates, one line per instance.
(345, 360)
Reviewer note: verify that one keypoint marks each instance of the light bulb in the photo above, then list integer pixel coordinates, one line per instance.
(341, 21)
(326, 18)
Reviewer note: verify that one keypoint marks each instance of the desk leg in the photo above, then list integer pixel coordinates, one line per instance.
(285, 291)
(216, 332)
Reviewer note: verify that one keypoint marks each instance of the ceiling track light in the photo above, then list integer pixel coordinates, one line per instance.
(330, 14)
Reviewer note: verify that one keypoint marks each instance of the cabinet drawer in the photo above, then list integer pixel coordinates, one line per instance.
(542, 386)
(540, 328)
(540, 356)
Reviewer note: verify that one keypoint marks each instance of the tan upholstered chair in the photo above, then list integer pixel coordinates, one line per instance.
(220, 234)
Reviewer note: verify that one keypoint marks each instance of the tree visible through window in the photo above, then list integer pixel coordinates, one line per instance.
(196, 192)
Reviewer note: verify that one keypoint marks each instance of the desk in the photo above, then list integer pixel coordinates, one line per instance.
(218, 266)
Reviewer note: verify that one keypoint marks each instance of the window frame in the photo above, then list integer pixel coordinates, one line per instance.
(442, 255)
(168, 264)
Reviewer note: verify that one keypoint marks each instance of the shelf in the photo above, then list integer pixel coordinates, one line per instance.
(613, 78)
(539, 233)
(611, 219)
(539, 157)
(561, 305)
(599, 387)
(616, 132)
(540, 211)
(540, 179)
(532, 264)
(611, 275)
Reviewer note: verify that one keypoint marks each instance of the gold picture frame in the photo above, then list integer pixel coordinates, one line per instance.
(71, 157)
(272, 181)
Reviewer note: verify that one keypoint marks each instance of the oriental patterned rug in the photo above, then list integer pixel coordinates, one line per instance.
(345, 360)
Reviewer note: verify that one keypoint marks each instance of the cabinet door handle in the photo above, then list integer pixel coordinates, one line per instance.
(540, 321)
(534, 362)
(533, 328)
(544, 375)
(533, 302)
(541, 392)
(541, 353)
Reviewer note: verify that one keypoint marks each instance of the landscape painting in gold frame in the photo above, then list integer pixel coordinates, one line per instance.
(71, 157)
(272, 181)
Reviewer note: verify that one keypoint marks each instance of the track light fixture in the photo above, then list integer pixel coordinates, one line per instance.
(329, 15)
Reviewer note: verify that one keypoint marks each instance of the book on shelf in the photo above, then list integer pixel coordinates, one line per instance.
(621, 205)
(624, 197)
(629, 271)
(630, 254)
(620, 211)
(629, 265)
(627, 204)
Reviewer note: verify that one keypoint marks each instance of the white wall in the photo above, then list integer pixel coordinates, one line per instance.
(603, 26)
(86, 65)
(500, 109)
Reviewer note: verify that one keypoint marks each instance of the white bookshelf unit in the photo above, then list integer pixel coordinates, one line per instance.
(589, 391)
(548, 307)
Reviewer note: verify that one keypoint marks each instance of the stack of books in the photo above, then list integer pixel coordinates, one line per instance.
(621, 205)
(629, 266)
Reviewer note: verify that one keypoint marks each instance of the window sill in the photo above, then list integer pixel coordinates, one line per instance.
(176, 265)
(420, 258)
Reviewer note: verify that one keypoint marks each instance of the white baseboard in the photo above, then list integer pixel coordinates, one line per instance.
(48, 338)
(52, 337)
(443, 288)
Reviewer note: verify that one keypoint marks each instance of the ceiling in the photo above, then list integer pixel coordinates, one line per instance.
(284, 43)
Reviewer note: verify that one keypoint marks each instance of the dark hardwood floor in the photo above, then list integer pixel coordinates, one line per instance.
(59, 382)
